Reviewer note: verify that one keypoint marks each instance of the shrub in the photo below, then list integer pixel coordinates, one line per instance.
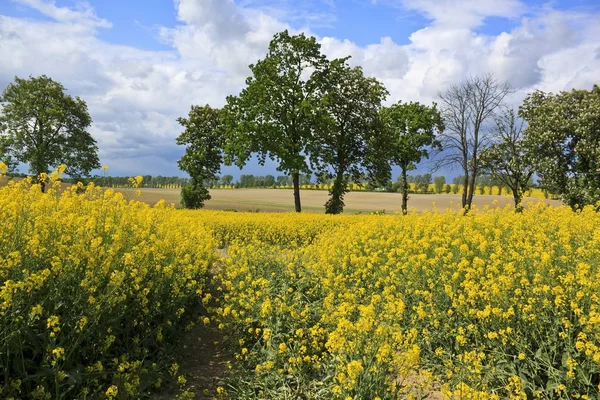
(193, 195)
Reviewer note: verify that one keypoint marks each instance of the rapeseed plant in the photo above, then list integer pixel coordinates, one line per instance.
(94, 290)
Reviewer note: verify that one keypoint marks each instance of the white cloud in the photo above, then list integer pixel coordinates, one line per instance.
(135, 96)
(221, 18)
(82, 14)
(464, 13)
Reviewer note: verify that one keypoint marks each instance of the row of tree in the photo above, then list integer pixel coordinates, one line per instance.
(417, 183)
(315, 115)
(311, 115)
(318, 116)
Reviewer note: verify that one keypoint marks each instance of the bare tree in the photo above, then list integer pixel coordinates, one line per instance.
(508, 158)
(466, 107)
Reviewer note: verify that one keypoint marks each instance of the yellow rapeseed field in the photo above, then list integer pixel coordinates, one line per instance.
(96, 290)
(492, 305)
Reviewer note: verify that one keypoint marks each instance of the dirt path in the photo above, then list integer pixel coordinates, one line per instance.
(204, 359)
(203, 363)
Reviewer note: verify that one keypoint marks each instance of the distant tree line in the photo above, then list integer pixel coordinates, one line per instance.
(148, 181)
(417, 183)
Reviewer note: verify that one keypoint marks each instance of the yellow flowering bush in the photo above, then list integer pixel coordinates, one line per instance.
(490, 305)
(94, 291)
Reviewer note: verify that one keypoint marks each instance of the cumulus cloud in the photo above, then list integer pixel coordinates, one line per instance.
(465, 13)
(135, 95)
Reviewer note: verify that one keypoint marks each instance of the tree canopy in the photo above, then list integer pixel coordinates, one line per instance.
(410, 131)
(347, 106)
(203, 156)
(563, 134)
(466, 109)
(508, 159)
(273, 115)
(43, 126)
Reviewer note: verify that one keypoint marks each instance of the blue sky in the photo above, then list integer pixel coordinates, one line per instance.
(136, 22)
(141, 64)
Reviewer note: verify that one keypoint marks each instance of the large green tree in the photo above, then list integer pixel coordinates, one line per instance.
(508, 159)
(43, 126)
(204, 140)
(411, 130)
(563, 134)
(273, 116)
(347, 107)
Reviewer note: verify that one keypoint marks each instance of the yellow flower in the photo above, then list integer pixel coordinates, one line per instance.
(58, 354)
(52, 321)
(354, 369)
(112, 392)
(82, 323)
(36, 311)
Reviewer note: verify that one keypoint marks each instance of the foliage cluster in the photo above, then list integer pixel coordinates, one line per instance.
(203, 157)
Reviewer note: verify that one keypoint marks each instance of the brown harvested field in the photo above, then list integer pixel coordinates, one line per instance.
(281, 200)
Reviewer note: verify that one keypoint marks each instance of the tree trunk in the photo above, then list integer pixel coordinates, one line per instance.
(43, 186)
(465, 189)
(517, 197)
(404, 192)
(296, 180)
(471, 191)
(335, 204)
